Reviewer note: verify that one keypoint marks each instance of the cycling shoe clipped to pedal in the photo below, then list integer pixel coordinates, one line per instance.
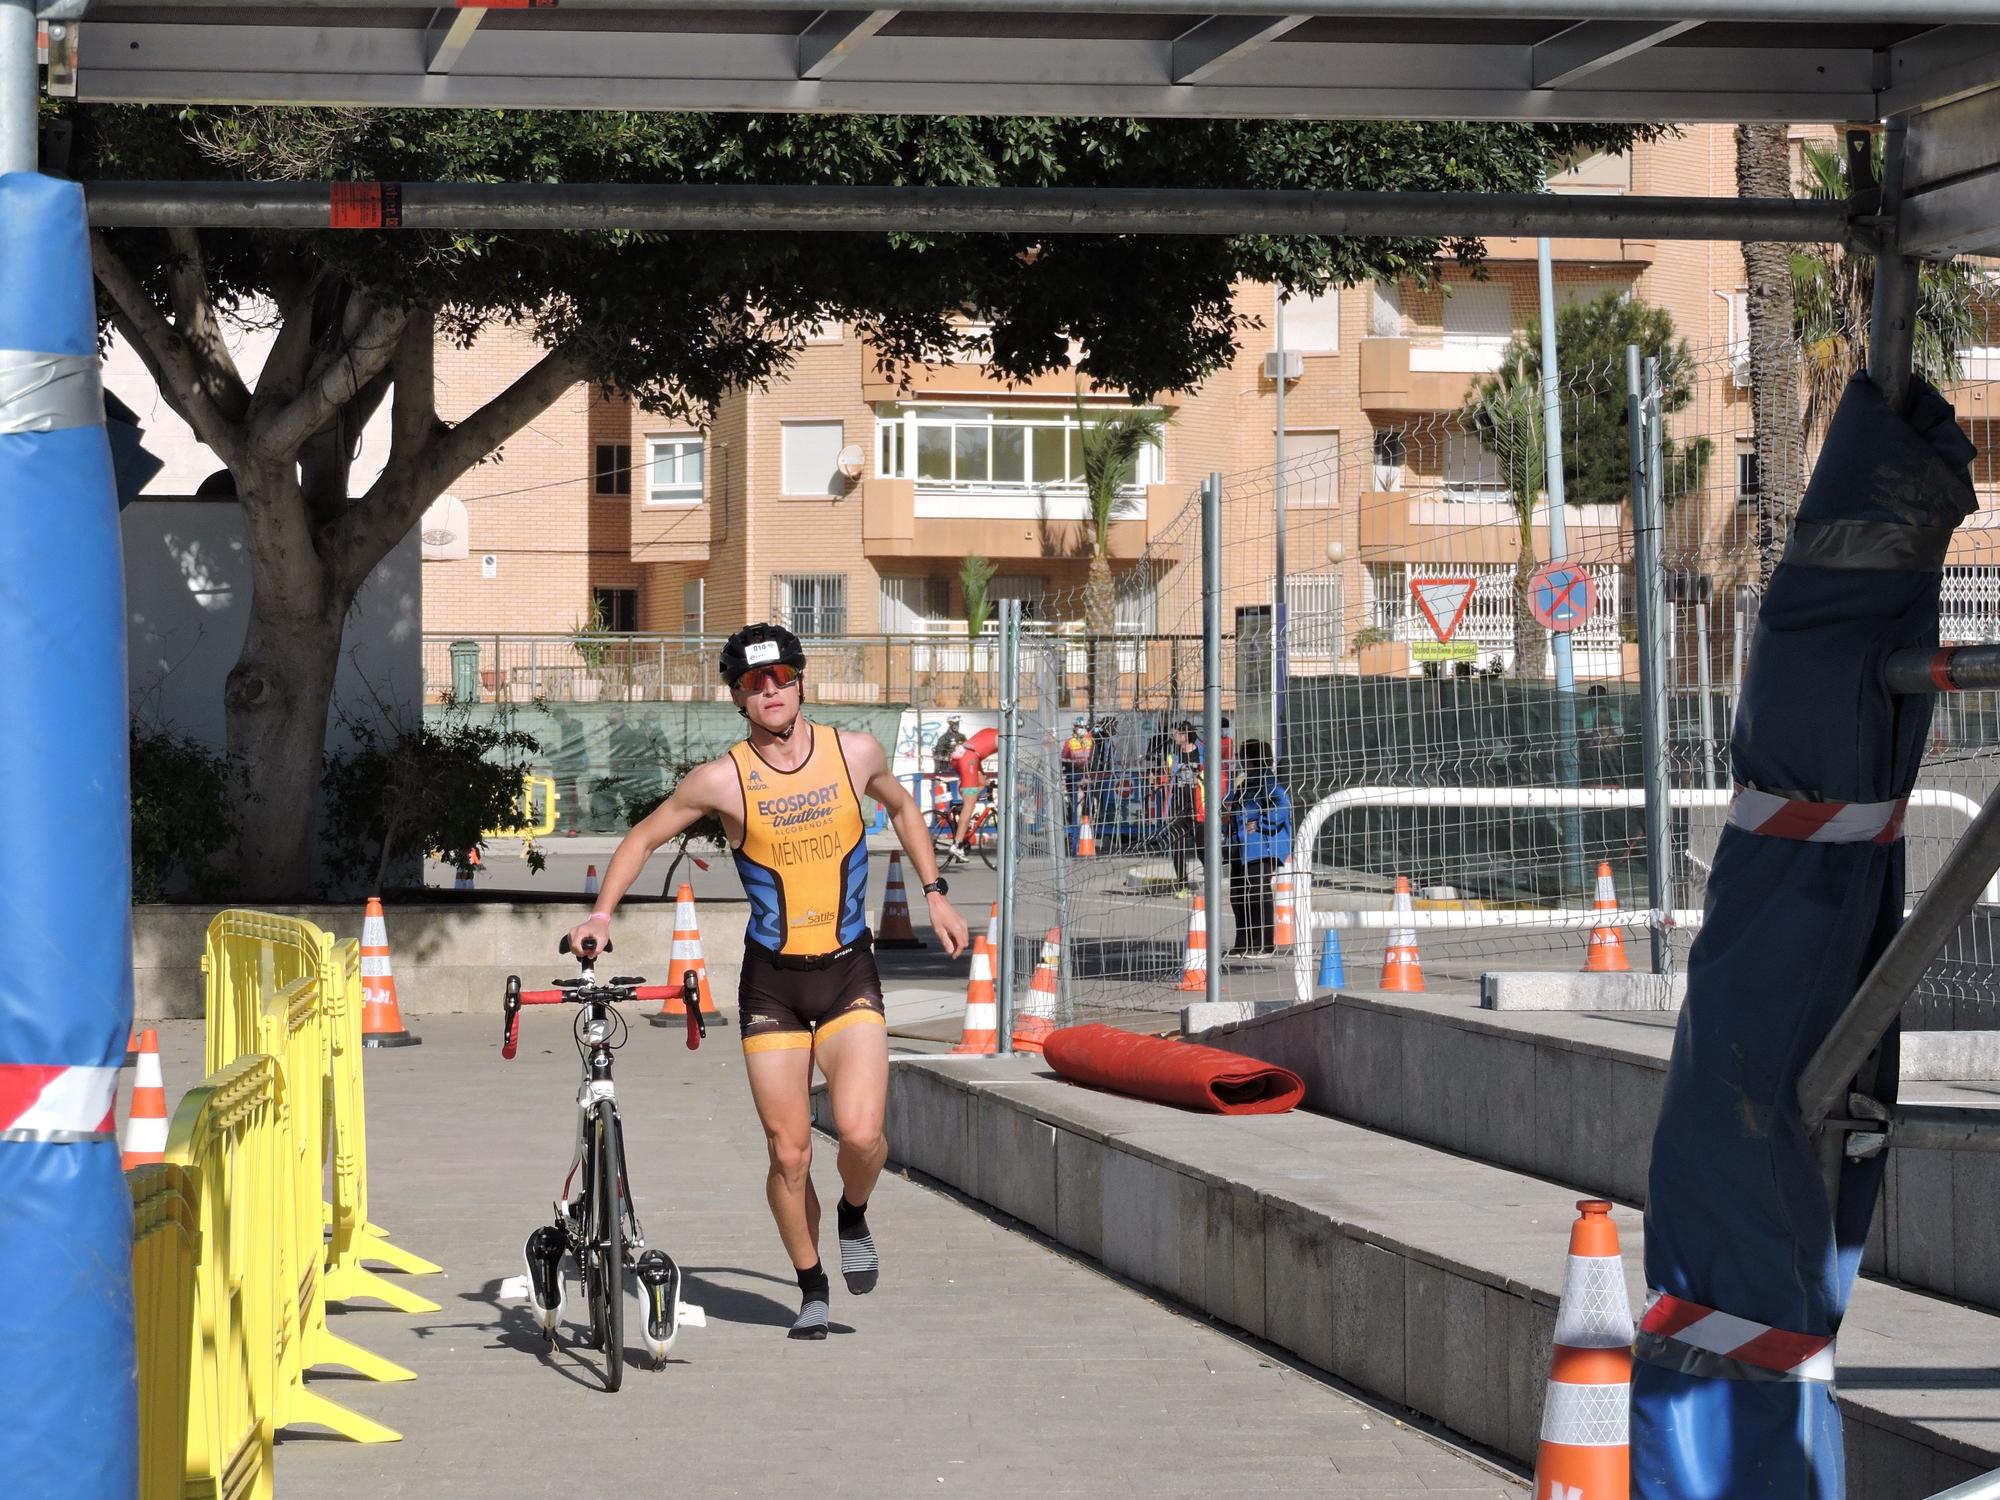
(666, 1314)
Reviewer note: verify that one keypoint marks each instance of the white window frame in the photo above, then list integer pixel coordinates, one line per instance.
(787, 481)
(694, 606)
(931, 612)
(1315, 619)
(667, 454)
(833, 584)
(898, 430)
(1479, 349)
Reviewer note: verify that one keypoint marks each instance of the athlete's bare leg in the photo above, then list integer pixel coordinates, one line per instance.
(968, 809)
(855, 1060)
(780, 1086)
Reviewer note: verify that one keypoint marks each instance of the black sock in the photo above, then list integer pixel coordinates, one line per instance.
(852, 1220)
(813, 1284)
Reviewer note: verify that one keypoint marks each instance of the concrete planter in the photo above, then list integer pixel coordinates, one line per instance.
(447, 956)
(1389, 659)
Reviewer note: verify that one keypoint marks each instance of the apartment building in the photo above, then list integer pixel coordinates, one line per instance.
(844, 500)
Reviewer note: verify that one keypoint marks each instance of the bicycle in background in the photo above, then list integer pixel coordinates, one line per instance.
(597, 1227)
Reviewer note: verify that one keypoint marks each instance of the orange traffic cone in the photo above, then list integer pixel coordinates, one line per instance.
(1606, 954)
(131, 1048)
(1086, 841)
(590, 881)
(146, 1126)
(1584, 1450)
(1194, 970)
(1037, 1017)
(686, 955)
(1400, 967)
(894, 930)
(381, 1017)
(982, 1009)
(1284, 922)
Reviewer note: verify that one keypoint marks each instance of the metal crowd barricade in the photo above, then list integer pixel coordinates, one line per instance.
(533, 825)
(166, 1237)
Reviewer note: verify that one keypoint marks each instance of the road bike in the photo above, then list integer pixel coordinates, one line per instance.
(597, 1227)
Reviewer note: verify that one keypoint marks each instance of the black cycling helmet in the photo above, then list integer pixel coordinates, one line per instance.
(761, 645)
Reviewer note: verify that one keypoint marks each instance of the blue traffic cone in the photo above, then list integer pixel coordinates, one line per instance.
(1332, 971)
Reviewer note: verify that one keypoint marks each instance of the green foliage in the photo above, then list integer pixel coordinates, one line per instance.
(183, 812)
(591, 638)
(676, 320)
(1508, 417)
(974, 576)
(1833, 294)
(1591, 338)
(1111, 448)
(394, 798)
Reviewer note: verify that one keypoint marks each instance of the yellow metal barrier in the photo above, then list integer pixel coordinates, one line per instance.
(356, 1238)
(219, 1187)
(533, 826)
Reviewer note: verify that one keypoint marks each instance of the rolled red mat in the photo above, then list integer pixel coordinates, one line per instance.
(1168, 1072)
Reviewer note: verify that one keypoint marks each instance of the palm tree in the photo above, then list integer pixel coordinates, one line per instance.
(1764, 170)
(1834, 291)
(1111, 447)
(975, 578)
(1507, 416)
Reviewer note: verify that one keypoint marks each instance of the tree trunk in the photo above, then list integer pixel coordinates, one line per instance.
(1530, 640)
(1764, 170)
(277, 696)
(1100, 624)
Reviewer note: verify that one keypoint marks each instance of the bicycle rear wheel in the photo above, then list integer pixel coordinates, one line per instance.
(604, 1276)
(986, 837)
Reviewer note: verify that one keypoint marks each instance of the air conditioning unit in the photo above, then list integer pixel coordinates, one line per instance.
(1294, 365)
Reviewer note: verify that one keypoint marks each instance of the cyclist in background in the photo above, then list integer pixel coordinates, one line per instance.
(968, 763)
(946, 746)
(788, 796)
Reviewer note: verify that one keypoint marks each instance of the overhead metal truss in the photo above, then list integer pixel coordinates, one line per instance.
(1670, 60)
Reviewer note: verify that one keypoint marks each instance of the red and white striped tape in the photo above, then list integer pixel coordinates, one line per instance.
(1780, 817)
(1788, 1356)
(47, 1102)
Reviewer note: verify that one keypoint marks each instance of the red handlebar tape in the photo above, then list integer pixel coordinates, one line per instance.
(557, 997)
(365, 205)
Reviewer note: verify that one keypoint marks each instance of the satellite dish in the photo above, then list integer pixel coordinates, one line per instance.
(850, 461)
(444, 530)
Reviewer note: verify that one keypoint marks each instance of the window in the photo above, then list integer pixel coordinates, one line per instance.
(1472, 470)
(673, 470)
(1312, 324)
(1583, 293)
(1478, 322)
(1747, 483)
(1024, 450)
(1029, 591)
(811, 603)
(616, 609)
(694, 605)
(1138, 605)
(914, 606)
(1312, 620)
(1312, 469)
(612, 474)
(812, 460)
(1385, 311)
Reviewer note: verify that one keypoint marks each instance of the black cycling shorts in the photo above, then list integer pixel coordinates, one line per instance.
(780, 1007)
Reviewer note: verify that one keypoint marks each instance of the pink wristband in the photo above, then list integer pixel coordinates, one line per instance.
(600, 916)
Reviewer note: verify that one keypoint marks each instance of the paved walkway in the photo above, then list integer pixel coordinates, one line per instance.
(985, 1365)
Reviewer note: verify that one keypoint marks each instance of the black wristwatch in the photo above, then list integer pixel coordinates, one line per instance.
(937, 888)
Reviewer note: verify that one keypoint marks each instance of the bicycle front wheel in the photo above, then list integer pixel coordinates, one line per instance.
(605, 1278)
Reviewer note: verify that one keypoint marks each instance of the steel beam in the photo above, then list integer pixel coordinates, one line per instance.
(952, 210)
(1941, 66)
(1222, 40)
(833, 37)
(1885, 12)
(1590, 46)
(1948, 669)
(1951, 195)
(445, 41)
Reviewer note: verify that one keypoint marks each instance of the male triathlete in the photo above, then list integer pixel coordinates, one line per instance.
(788, 800)
(968, 764)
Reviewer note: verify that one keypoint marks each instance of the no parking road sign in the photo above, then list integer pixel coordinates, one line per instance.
(1561, 595)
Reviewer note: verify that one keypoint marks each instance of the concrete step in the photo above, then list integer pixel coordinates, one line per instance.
(1573, 1097)
(1419, 1275)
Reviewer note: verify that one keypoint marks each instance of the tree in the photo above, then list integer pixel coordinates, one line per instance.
(1764, 170)
(1505, 411)
(1833, 294)
(1111, 449)
(975, 579)
(669, 321)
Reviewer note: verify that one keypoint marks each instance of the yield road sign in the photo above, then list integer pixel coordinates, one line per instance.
(1443, 602)
(1561, 595)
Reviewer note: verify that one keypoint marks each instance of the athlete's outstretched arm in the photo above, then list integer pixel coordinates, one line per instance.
(692, 800)
(871, 770)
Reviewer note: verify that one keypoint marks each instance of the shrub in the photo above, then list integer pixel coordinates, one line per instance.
(183, 812)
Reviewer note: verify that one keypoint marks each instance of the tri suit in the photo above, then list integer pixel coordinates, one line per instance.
(808, 959)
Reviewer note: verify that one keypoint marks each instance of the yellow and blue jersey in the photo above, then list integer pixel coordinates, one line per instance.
(804, 855)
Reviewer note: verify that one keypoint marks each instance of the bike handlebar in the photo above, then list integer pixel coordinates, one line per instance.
(691, 1002)
(688, 992)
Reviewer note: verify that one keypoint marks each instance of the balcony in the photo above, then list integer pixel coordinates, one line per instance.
(1400, 374)
(1599, 252)
(1434, 525)
(901, 518)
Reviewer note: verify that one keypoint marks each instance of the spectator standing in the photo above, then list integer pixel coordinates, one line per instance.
(1076, 752)
(1184, 800)
(1257, 828)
